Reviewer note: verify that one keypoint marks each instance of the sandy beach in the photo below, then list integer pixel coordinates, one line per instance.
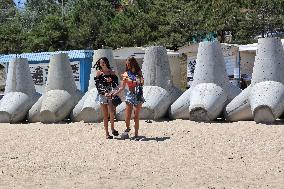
(171, 154)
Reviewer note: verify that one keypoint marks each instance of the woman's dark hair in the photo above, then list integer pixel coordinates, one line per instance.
(133, 64)
(97, 64)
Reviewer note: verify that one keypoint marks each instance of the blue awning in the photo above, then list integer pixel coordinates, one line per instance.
(45, 56)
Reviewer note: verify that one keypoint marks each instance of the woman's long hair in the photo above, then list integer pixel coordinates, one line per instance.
(133, 64)
(97, 64)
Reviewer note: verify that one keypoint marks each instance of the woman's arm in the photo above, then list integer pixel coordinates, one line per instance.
(122, 84)
(98, 73)
(140, 78)
(122, 87)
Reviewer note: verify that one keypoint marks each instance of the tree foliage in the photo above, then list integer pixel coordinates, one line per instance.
(49, 25)
(11, 35)
(85, 22)
(262, 18)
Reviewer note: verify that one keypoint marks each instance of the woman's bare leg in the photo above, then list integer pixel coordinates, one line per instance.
(111, 114)
(104, 108)
(136, 118)
(128, 112)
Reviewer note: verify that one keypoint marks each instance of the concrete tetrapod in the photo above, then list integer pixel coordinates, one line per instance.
(158, 90)
(88, 110)
(211, 90)
(61, 93)
(263, 100)
(20, 92)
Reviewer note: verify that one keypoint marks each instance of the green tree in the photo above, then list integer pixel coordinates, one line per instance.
(262, 17)
(11, 34)
(48, 25)
(44, 26)
(36, 11)
(11, 38)
(6, 4)
(180, 23)
(50, 35)
(146, 22)
(127, 28)
(85, 21)
(7, 10)
(217, 16)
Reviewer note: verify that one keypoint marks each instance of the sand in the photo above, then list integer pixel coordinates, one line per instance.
(173, 154)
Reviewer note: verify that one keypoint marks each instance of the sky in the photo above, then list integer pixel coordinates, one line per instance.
(20, 3)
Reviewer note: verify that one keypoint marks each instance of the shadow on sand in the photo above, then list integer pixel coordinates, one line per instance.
(144, 138)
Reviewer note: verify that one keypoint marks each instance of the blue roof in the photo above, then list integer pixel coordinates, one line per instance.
(45, 56)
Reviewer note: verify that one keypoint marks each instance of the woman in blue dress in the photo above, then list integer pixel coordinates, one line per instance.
(133, 81)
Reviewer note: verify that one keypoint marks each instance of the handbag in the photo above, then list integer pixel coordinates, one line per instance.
(139, 92)
(116, 100)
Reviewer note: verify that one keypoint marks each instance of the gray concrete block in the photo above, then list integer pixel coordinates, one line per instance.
(179, 109)
(120, 112)
(56, 106)
(60, 75)
(20, 92)
(265, 95)
(34, 112)
(14, 107)
(19, 78)
(210, 90)
(232, 92)
(155, 107)
(269, 61)
(239, 108)
(207, 102)
(156, 68)
(88, 110)
(61, 94)
(210, 67)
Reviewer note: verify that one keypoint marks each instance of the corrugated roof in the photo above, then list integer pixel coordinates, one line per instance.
(45, 56)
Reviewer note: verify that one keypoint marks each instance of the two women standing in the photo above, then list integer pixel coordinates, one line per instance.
(132, 81)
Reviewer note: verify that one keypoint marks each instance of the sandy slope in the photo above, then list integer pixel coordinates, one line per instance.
(175, 154)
